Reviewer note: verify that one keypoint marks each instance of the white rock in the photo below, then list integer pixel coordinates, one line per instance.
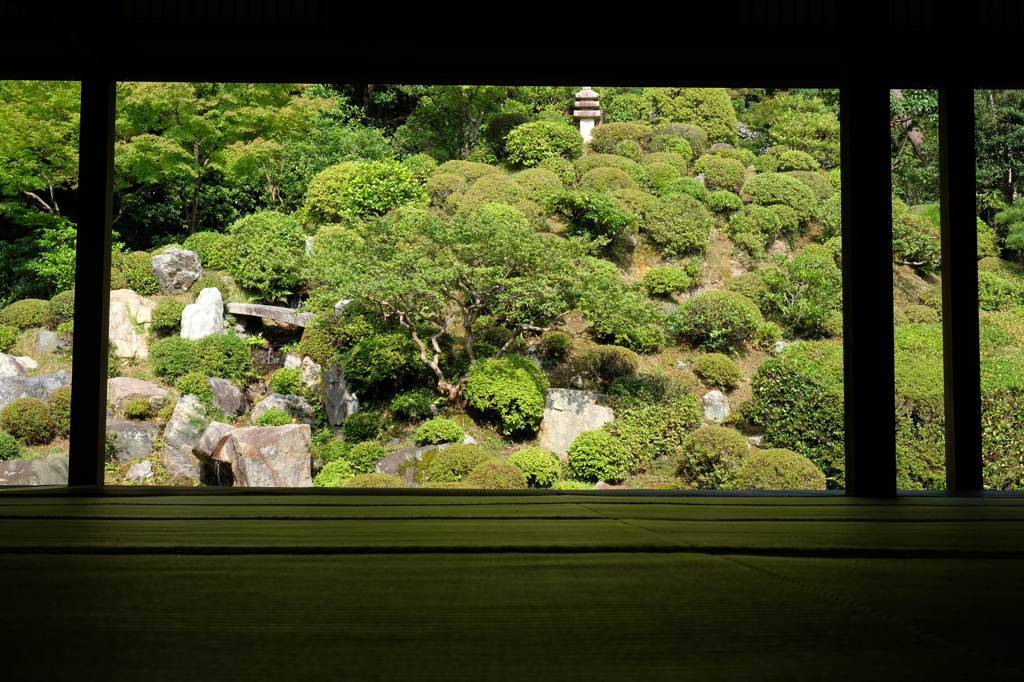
(130, 317)
(205, 316)
(716, 406)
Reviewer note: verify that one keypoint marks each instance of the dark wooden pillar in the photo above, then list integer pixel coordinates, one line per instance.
(961, 359)
(92, 281)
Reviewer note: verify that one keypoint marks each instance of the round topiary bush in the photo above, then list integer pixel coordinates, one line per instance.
(334, 474)
(420, 165)
(167, 317)
(777, 469)
(195, 383)
(269, 249)
(540, 184)
(606, 138)
(135, 272)
(541, 467)
(608, 363)
(556, 345)
(630, 149)
(492, 189)
(723, 200)
(817, 182)
(710, 456)
(598, 456)
(661, 175)
(695, 137)
(331, 450)
(8, 337)
(60, 410)
(328, 335)
(921, 314)
(717, 321)
(718, 370)
(62, 309)
(274, 416)
(223, 355)
(607, 180)
(375, 480)
(677, 225)
(444, 185)
(358, 189)
(28, 313)
(671, 279)
(470, 171)
(530, 143)
(138, 409)
(767, 189)
(721, 173)
(381, 358)
(649, 431)
(361, 426)
(8, 447)
(173, 357)
(28, 420)
(767, 335)
(511, 388)
(438, 430)
(496, 475)
(499, 126)
(587, 163)
(454, 463)
(691, 187)
(286, 380)
(560, 166)
(412, 405)
(363, 456)
(216, 250)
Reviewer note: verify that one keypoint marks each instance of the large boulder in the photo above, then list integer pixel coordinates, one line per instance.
(49, 470)
(41, 386)
(181, 433)
(15, 365)
(272, 456)
(205, 316)
(176, 269)
(339, 400)
(567, 414)
(716, 406)
(130, 317)
(48, 342)
(296, 406)
(227, 397)
(404, 463)
(214, 445)
(122, 389)
(132, 440)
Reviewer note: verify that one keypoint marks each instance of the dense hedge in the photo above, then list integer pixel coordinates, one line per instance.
(216, 250)
(677, 225)
(672, 279)
(721, 173)
(28, 420)
(9, 448)
(269, 249)
(60, 410)
(777, 469)
(718, 370)
(511, 389)
(598, 456)
(496, 475)
(606, 138)
(717, 321)
(767, 189)
(27, 313)
(357, 189)
(710, 456)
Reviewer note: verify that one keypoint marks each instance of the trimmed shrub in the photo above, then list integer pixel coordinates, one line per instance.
(650, 431)
(721, 173)
(455, 462)
(359, 189)
(570, 484)
(361, 426)
(677, 225)
(816, 182)
(753, 227)
(766, 336)
(541, 467)
(767, 189)
(173, 357)
(167, 317)
(556, 345)
(598, 456)
(443, 185)
(60, 410)
(593, 214)
(420, 165)
(540, 184)
(334, 474)
(330, 450)
(709, 108)
(766, 163)
(607, 180)
(676, 161)
(499, 126)
(718, 370)
(470, 171)
(28, 313)
(660, 176)
(381, 358)
(642, 389)
(275, 416)
(633, 169)
(609, 362)
(710, 456)
(723, 200)
(28, 420)
(216, 250)
(696, 137)
(511, 388)
(286, 380)
(624, 107)
(375, 481)
(363, 456)
(62, 309)
(671, 279)
(716, 321)
(996, 292)
(798, 400)
(493, 189)
(921, 314)
(438, 430)
(689, 186)
(496, 475)
(631, 200)
(134, 271)
(630, 149)
(269, 249)
(561, 167)
(8, 447)
(805, 293)
(222, 355)
(412, 405)
(793, 160)
(195, 383)
(606, 138)
(328, 335)
(830, 215)
(138, 409)
(530, 143)
(8, 337)
(777, 469)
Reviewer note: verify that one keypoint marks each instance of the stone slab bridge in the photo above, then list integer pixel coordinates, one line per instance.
(276, 313)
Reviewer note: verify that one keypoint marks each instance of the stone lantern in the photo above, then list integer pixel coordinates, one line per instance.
(588, 111)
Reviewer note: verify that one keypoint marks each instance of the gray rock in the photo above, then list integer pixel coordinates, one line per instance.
(602, 485)
(340, 305)
(633, 240)
(777, 348)
(403, 463)
(296, 406)
(313, 374)
(122, 389)
(272, 456)
(48, 342)
(205, 316)
(139, 472)
(132, 440)
(671, 308)
(468, 440)
(228, 397)
(15, 365)
(12, 388)
(214, 445)
(721, 145)
(49, 470)
(716, 406)
(176, 269)
(130, 318)
(567, 414)
(339, 401)
(576, 381)
(757, 439)
(292, 360)
(679, 364)
(182, 432)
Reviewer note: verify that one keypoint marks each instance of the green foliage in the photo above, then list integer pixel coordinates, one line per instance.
(649, 431)
(623, 107)
(420, 165)
(362, 426)
(269, 249)
(805, 293)
(921, 314)
(920, 442)
(996, 292)
(560, 166)
(375, 480)
(27, 313)
(798, 400)
(753, 227)
(381, 358)
(570, 484)
(334, 474)
(133, 271)
(777, 469)
(593, 214)
(195, 383)
(766, 336)
(412, 405)
(767, 189)
(677, 225)
(631, 200)
(438, 430)
(608, 363)
(440, 186)
(8, 337)
(364, 455)
(469, 171)
(689, 186)
(173, 357)
(216, 250)
(587, 163)
(494, 189)
(606, 180)
(816, 181)
(630, 149)
(723, 200)
(710, 456)
(275, 416)
(598, 456)
(28, 420)
(793, 160)
(138, 409)
(62, 309)
(672, 279)
(454, 463)
(357, 189)
(327, 335)
(556, 344)
(721, 173)
(830, 215)
(8, 447)
(511, 388)
(766, 163)
(709, 108)
(541, 467)
(643, 389)
(540, 184)
(286, 380)
(496, 475)
(60, 410)
(499, 126)
(660, 176)
(222, 355)
(716, 320)
(915, 239)
(668, 136)
(606, 138)
(718, 370)
(530, 143)
(167, 317)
